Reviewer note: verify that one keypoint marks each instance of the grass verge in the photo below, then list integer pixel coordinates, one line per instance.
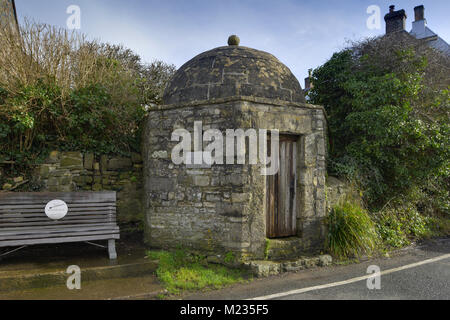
(353, 231)
(180, 270)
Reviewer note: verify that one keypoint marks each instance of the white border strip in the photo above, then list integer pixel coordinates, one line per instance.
(340, 283)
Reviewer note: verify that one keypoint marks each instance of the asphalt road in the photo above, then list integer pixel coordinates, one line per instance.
(430, 280)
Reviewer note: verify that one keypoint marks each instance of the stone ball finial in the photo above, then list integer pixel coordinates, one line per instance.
(234, 40)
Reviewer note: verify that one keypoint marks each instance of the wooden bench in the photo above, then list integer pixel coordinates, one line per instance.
(91, 216)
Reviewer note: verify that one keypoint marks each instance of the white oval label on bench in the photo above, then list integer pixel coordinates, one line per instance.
(56, 209)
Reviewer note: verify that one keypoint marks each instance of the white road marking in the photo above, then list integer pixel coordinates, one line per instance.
(340, 283)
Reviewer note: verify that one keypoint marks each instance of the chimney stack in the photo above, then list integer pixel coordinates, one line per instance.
(308, 83)
(395, 20)
(419, 25)
(419, 13)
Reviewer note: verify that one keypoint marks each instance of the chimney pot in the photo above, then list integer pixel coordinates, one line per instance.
(419, 13)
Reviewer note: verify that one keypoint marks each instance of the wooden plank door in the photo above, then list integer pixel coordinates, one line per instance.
(281, 192)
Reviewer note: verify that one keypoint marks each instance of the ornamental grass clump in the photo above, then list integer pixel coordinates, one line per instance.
(351, 231)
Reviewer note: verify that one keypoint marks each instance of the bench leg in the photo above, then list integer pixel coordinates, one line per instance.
(112, 249)
(9, 252)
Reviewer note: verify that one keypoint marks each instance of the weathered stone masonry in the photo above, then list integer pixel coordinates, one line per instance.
(223, 208)
(75, 171)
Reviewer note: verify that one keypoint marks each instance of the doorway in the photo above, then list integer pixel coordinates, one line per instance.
(281, 193)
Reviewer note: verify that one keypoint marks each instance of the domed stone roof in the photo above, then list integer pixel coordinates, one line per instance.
(233, 71)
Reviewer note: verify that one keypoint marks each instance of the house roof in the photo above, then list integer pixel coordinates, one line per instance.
(422, 32)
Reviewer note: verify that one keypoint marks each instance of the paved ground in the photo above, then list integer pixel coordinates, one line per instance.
(34, 273)
(145, 287)
(427, 281)
(59, 255)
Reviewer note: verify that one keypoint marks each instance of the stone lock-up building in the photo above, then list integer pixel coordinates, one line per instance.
(222, 208)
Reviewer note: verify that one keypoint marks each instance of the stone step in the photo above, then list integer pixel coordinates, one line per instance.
(31, 279)
(265, 268)
(285, 248)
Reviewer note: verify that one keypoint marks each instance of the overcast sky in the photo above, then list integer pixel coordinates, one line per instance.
(303, 34)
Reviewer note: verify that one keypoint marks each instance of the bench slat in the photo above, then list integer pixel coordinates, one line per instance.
(37, 223)
(55, 234)
(20, 214)
(14, 243)
(17, 230)
(103, 196)
(45, 201)
(58, 233)
(70, 209)
(45, 218)
(70, 205)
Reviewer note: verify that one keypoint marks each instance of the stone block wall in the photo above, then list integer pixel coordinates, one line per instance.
(308, 123)
(222, 208)
(75, 171)
(338, 191)
(199, 208)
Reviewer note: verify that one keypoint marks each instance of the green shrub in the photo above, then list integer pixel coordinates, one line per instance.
(351, 232)
(230, 257)
(60, 91)
(440, 226)
(387, 103)
(391, 231)
(401, 224)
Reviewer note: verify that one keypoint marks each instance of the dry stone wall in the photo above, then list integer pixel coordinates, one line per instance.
(339, 190)
(75, 171)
